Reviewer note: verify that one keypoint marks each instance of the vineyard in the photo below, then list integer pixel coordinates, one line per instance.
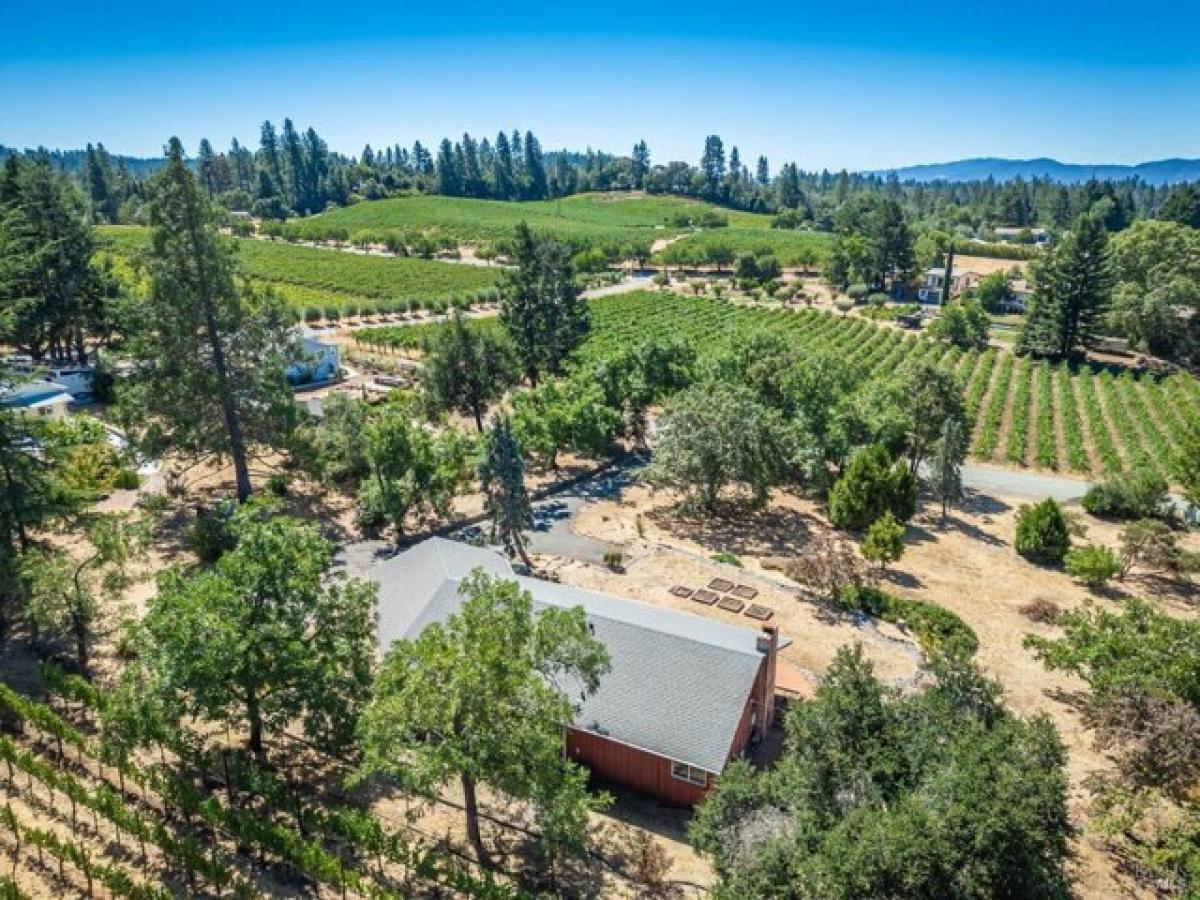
(1080, 420)
(190, 819)
(792, 248)
(316, 279)
(592, 219)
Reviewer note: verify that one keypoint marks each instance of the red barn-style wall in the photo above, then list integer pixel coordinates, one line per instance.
(651, 773)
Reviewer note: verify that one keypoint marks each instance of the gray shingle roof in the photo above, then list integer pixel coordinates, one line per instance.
(678, 682)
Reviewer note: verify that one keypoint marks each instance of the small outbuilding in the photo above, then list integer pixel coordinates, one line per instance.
(685, 696)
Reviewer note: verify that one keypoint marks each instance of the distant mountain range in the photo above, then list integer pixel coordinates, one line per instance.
(1162, 171)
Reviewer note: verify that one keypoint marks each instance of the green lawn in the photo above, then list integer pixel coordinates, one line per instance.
(311, 277)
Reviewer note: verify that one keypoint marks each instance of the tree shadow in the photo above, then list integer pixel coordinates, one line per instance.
(738, 528)
(902, 579)
(983, 504)
(974, 532)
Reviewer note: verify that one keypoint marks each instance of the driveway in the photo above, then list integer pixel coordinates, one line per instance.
(625, 286)
(552, 534)
(1016, 483)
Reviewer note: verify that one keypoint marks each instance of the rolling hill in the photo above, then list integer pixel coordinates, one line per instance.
(1162, 171)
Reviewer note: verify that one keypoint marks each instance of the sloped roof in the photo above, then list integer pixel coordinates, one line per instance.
(34, 394)
(678, 683)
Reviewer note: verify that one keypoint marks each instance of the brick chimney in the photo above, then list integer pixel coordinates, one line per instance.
(768, 645)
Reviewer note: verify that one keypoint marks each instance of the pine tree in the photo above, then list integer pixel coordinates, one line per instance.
(271, 163)
(641, 163)
(541, 308)
(762, 172)
(98, 181)
(51, 296)
(712, 165)
(1073, 288)
(946, 466)
(535, 171)
(502, 475)
(504, 179)
(210, 377)
(449, 175)
(948, 278)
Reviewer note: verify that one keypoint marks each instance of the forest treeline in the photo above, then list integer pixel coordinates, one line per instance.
(294, 173)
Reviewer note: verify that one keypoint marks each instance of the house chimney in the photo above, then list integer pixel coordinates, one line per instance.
(768, 645)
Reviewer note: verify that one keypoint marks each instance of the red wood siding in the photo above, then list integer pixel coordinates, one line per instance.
(628, 765)
(649, 772)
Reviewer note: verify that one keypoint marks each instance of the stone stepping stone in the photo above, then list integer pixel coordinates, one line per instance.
(731, 604)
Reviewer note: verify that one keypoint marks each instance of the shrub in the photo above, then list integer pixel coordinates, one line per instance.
(877, 299)
(884, 542)
(857, 292)
(127, 479)
(727, 558)
(1043, 533)
(1140, 494)
(277, 485)
(872, 485)
(210, 536)
(613, 559)
(1042, 610)
(1094, 565)
(941, 632)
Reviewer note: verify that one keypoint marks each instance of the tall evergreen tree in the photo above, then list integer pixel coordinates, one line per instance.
(1073, 289)
(712, 165)
(448, 175)
(272, 162)
(762, 172)
(502, 477)
(945, 479)
(98, 181)
(51, 296)
(536, 187)
(640, 164)
(210, 380)
(541, 308)
(504, 179)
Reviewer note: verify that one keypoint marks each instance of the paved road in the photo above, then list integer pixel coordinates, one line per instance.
(1016, 483)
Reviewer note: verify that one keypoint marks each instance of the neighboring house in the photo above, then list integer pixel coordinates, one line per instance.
(931, 289)
(685, 695)
(37, 398)
(75, 380)
(1036, 236)
(321, 361)
(1022, 290)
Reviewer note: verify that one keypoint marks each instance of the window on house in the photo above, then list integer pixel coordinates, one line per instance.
(690, 774)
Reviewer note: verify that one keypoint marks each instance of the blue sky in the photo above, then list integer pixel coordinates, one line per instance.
(868, 85)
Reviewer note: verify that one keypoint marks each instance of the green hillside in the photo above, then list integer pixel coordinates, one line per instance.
(312, 277)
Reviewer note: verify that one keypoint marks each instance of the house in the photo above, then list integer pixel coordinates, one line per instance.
(1035, 236)
(1022, 290)
(961, 280)
(75, 380)
(685, 696)
(37, 398)
(321, 361)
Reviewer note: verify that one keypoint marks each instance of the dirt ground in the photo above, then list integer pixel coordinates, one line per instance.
(966, 564)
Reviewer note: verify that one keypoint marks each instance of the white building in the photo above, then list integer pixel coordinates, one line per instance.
(37, 398)
(321, 361)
